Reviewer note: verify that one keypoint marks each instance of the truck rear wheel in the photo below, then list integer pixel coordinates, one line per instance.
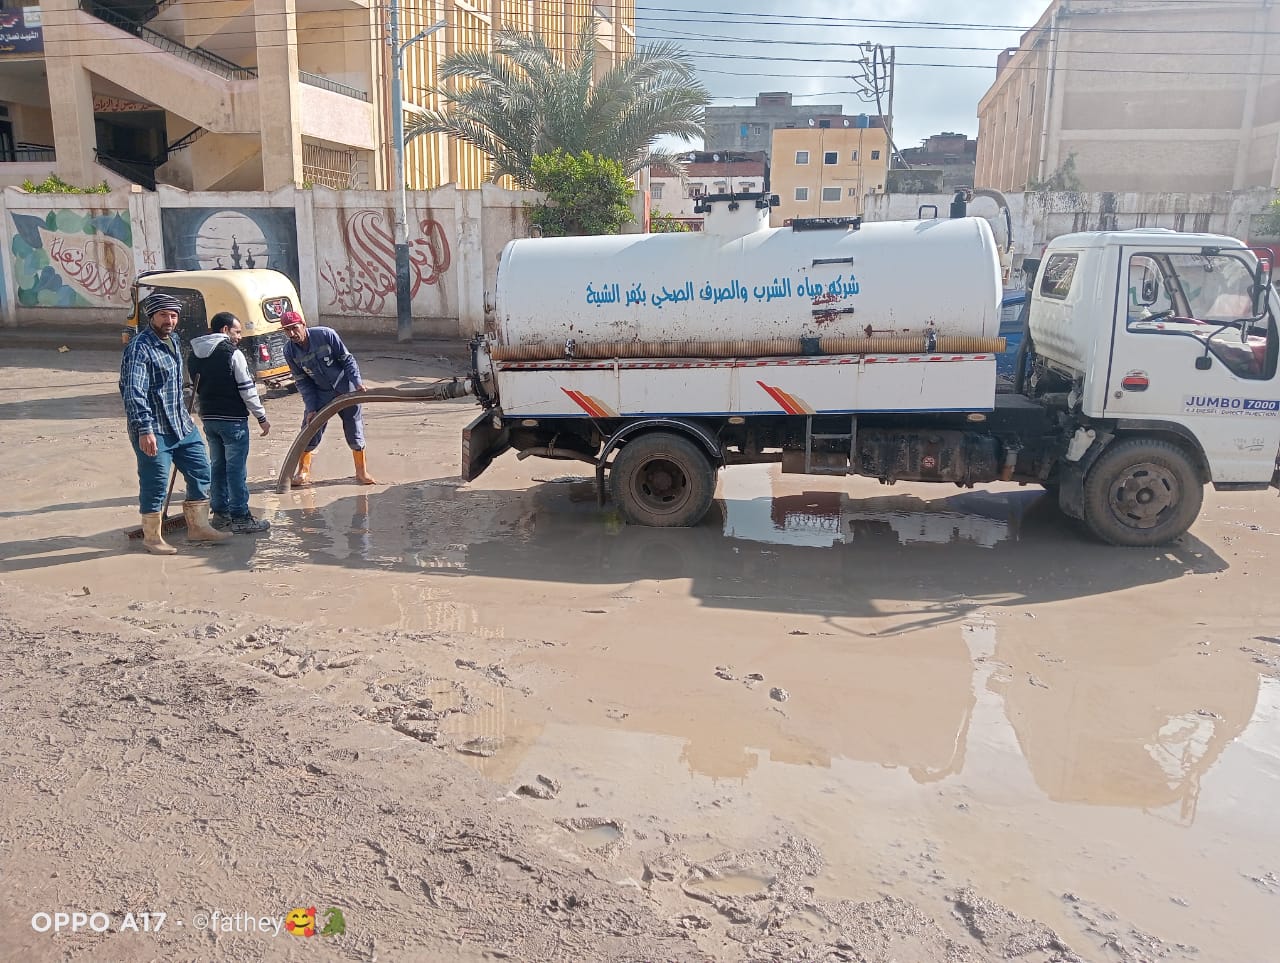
(662, 480)
(1142, 492)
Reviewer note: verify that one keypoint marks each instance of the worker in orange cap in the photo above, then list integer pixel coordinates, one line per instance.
(324, 369)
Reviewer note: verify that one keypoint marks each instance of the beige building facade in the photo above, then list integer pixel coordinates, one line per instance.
(826, 172)
(245, 94)
(1144, 95)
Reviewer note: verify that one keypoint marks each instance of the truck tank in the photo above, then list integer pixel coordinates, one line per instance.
(740, 287)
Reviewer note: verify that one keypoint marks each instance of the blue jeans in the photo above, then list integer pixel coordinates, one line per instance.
(229, 463)
(190, 457)
(352, 423)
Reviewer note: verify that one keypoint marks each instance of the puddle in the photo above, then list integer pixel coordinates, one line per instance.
(730, 886)
(594, 833)
(823, 519)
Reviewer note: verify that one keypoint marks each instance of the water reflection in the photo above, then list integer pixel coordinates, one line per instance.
(826, 519)
(1128, 720)
(828, 553)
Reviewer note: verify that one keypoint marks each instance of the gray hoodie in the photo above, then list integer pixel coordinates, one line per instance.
(203, 346)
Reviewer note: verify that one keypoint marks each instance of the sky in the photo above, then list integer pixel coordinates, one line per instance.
(815, 49)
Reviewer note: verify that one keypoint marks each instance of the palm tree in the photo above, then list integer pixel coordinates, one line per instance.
(520, 99)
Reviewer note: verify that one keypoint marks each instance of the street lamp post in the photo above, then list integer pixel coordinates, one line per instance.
(404, 298)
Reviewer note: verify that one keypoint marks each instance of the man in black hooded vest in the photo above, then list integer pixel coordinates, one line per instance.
(227, 395)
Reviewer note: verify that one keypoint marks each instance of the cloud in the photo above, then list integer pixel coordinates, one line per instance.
(823, 55)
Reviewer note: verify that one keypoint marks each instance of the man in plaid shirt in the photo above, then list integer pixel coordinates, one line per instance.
(163, 434)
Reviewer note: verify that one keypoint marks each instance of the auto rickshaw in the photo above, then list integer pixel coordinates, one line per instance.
(256, 296)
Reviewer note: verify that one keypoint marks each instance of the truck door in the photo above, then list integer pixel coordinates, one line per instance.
(1187, 350)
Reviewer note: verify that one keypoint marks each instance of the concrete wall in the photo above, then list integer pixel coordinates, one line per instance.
(1041, 216)
(72, 258)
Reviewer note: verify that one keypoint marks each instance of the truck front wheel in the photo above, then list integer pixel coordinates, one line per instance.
(662, 480)
(1142, 492)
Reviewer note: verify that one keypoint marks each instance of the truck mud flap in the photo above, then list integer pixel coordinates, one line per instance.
(481, 444)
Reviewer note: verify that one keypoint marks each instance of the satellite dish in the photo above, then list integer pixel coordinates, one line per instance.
(715, 157)
(811, 122)
(846, 121)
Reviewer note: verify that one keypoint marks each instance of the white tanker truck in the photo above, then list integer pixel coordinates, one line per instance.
(834, 347)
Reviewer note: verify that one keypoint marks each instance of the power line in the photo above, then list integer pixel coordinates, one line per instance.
(703, 38)
(736, 18)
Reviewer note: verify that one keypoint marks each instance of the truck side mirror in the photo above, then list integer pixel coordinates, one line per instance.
(1262, 287)
(1150, 291)
(1204, 363)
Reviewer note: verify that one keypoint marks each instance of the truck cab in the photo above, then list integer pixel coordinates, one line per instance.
(1169, 335)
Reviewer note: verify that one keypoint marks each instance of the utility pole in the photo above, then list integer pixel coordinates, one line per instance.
(404, 297)
(877, 80)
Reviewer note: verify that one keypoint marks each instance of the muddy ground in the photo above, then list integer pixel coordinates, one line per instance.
(836, 722)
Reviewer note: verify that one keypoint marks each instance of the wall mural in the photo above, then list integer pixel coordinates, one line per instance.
(220, 239)
(70, 259)
(366, 283)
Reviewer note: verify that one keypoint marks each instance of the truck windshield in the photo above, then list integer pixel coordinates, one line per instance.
(1207, 297)
(1217, 288)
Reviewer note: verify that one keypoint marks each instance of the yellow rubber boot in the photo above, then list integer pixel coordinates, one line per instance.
(198, 527)
(153, 535)
(302, 477)
(362, 473)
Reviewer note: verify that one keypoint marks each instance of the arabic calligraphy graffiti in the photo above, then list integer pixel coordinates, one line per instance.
(100, 268)
(72, 258)
(369, 277)
(735, 291)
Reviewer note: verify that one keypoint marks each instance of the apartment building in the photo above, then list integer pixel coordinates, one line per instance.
(827, 171)
(1146, 95)
(706, 172)
(246, 94)
(950, 154)
(750, 128)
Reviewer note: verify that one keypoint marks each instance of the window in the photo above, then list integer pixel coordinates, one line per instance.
(722, 187)
(743, 130)
(748, 187)
(802, 193)
(853, 192)
(802, 157)
(1055, 281)
(831, 193)
(854, 158)
(656, 190)
(831, 157)
(824, 123)
(696, 190)
(1207, 297)
(875, 155)
(757, 129)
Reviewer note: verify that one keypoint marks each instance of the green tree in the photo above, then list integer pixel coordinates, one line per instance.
(1269, 219)
(660, 223)
(520, 100)
(1064, 178)
(53, 184)
(586, 194)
